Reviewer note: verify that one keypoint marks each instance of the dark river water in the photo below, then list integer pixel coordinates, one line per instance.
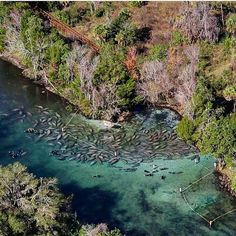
(128, 177)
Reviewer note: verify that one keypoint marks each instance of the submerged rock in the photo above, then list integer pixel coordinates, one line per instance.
(109, 124)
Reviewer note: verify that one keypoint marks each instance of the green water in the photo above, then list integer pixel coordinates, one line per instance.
(138, 204)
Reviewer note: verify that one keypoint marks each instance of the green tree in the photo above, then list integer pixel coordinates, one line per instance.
(185, 129)
(120, 30)
(35, 41)
(218, 138)
(101, 32)
(29, 205)
(4, 12)
(57, 51)
(112, 75)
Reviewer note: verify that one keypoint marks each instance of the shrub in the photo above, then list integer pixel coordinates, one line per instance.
(205, 55)
(4, 12)
(137, 3)
(57, 51)
(233, 182)
(230, 91)
(158, 52)
(177, 38)
(2, 39)
(231, 23)
(120, 30)
(185, 129)
(229, 42)
(63, 16)
(112, 80)
(100, 12)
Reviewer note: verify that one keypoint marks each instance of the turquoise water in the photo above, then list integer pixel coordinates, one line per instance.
(122, 195)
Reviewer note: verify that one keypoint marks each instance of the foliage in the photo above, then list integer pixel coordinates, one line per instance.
(229, 43)
(178, 38)
(203, 97)
(2, 39)
(120, 30)
(30, 205)
(57, 50)
(112, 75)
(34, 40)
(231, 24)
(54, 5)
(63, 16)
(137, 3)
(230, 91)
(158, 52)
(233, 182)
(218, 138)
(114, 232)
(205, 55)
(100, 12)
(214, 129)
(185, 129)
(4, 12)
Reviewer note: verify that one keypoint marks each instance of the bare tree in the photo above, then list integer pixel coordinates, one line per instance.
(199, 22)
(154, 84)
(158, 86)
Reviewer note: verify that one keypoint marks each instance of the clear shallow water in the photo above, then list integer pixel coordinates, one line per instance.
(138, 204)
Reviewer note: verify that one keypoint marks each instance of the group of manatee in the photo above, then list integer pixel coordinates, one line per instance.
(81, 142)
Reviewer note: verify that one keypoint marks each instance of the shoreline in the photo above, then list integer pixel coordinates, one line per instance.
(16, 62)
(223, 179)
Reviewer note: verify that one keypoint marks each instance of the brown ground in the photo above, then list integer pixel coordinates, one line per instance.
(155, 17)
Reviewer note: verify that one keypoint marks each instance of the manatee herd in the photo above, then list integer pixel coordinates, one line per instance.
(79, 141)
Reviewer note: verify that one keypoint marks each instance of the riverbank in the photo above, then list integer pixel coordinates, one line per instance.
(44, 81)
(118, 194)
(225, 175)
(224, 179)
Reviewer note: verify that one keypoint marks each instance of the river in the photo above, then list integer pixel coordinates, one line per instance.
(118, 190)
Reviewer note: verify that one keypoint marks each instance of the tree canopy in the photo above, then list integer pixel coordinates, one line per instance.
(30, 205)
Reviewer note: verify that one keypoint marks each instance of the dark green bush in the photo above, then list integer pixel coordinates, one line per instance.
(2, 39)
(100, 12)
(185, 129)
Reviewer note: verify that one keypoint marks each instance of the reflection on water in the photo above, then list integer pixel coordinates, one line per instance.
(129, 177)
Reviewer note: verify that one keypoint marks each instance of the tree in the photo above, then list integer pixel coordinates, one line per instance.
(29, 205)
(159, 86)
(120, 30)
(34, 40)
(115, 89)
(199, 22)
(185, 129)
(218, 137)
(101, 32)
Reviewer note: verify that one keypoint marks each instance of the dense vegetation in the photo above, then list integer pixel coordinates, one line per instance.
(210, 121)
(34, 206)
(191, 68)
(102, 87)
